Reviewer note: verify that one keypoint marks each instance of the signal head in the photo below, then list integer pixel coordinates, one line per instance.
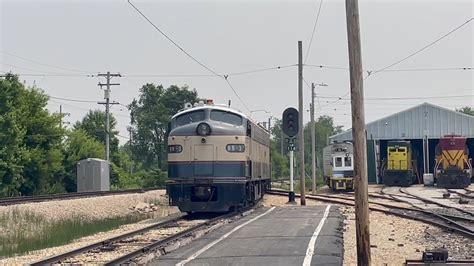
(290, 122)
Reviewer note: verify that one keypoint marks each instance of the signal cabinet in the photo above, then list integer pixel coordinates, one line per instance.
(93, 175)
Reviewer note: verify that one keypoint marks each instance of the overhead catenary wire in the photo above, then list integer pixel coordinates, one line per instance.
(225, 77)
(172, 41)
(314, 30)
(424, 47)
(261, 70)
(72, 100)
(403, 98)
(44, 64)
(399, 70)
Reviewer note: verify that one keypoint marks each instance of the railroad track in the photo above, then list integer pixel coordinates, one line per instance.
(448, 262)
(72, 195)
(430, 201)
(447, 222)
(126, 248)
(465, 195)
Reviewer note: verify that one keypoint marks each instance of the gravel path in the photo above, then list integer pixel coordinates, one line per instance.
(393, 239)
(399, 239)
(96, 208)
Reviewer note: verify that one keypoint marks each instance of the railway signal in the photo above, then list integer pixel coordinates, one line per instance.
(290, 128)
(290, 122)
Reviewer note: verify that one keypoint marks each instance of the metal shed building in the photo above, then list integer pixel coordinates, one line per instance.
(423, 125)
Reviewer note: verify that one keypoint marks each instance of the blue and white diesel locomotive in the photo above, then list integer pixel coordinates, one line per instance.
(218, 159)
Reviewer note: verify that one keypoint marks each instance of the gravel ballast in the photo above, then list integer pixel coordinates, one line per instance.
(95, 208)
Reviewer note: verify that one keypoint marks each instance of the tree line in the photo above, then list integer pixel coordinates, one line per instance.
(39, 156)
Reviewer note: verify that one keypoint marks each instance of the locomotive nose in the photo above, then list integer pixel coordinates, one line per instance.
(203, 129)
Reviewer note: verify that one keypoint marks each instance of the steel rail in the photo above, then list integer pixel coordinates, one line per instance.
(409, 262)
(161, 244)
(449, 216)
(435, 202)
(57, 258)
(71, 195)
(466, 195)
(464, 230)
(419, 209)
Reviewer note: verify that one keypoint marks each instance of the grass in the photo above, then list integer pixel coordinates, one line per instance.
(21, 232)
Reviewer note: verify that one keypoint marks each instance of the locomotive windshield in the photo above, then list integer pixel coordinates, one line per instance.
(226, 117)
(190, 117)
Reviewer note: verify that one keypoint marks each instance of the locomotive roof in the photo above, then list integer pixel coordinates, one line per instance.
(217, 107)
(214, 107)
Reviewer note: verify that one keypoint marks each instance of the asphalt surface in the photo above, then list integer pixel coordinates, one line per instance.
(278, 236)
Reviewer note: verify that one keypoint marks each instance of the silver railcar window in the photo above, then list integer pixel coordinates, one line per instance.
(226, 117)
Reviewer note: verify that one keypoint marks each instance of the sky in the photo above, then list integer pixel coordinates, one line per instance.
(60, 46)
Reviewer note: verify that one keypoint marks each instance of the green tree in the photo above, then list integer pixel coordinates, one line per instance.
(93, 124)
(150, 115)
(78, 146)
(466, 110)
(30, 141)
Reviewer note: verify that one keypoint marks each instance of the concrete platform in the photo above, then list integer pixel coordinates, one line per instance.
(269, 236)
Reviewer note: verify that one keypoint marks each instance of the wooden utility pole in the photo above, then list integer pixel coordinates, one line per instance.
(358, 134)
(300, 124)
(108, 77)
(313, 142)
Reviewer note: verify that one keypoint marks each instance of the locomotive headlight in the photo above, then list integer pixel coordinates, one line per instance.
(235, 147)
(175, 148)
(203, 129)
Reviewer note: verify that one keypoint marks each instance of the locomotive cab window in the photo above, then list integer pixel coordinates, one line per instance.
(226, 117)
(189, 118)
(347, 161)
(338, 161)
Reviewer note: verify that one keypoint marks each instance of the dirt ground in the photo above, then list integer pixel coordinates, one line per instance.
(394, 239)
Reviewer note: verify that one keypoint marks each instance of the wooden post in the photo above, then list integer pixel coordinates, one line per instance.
(313, 142)
(358, 134)
(300, 122)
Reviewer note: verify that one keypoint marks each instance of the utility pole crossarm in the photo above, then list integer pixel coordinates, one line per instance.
(107, 103)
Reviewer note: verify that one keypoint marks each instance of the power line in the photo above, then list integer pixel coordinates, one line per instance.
(225, 77)
(425, 47)
(403, 98)
(173, 42)
(399, 70)
(19, 67)
(165, 75)
(314, 30)
(72, 100)
(236, 94)
(43, 64)
(335, 101)
(260, 70)
(329, 67)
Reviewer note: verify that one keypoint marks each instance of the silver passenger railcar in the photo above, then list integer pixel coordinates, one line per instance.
(218, 159)
(338, 166)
